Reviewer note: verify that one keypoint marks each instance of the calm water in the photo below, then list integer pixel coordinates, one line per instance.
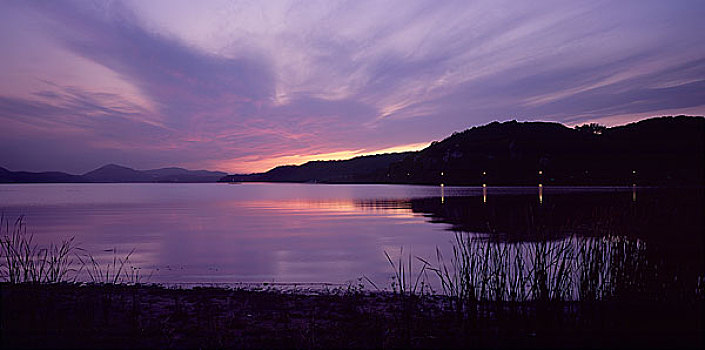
(223, 233)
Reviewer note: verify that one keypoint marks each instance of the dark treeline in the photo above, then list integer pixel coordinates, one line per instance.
(364, 169)
(657, 151)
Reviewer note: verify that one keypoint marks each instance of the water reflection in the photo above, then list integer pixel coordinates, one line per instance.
(334, 233)
(634, 193)
(668, 221)
(513, 215)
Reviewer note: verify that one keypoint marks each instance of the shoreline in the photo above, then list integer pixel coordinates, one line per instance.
(154, 316)
(582, 187)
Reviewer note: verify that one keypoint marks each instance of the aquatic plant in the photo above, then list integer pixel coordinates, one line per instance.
(402, 280)
(24, 261)
(110, 273)
(571, 269)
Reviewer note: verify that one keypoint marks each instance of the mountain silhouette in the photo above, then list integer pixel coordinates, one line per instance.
(7, 176)
(113, 173)
(116, 173)
(183, 175)
(657, 151)
(359, 169)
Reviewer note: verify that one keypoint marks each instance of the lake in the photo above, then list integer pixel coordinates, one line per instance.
(310, 233)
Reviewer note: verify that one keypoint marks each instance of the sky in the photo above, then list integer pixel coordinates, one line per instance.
(243, 86)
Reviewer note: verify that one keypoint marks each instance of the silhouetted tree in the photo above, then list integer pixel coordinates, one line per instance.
(592, 128)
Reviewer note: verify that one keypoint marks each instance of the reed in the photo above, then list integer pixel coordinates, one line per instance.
(23, 261)
(112, 272)
(572, 269)
(403, 282)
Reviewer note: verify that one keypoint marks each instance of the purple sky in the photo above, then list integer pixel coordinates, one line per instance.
(244, 86)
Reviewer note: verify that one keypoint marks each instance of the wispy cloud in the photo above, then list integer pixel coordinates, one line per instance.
(241, 86)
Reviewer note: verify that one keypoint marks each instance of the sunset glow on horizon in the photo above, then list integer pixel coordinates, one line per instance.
(260, 164)
(243, 87)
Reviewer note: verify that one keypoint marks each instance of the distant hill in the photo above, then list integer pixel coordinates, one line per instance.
(184, 175)
(657, 151)
(363, 169)
(113, 173)
(7, 176)
(116, 173)
(666, 150)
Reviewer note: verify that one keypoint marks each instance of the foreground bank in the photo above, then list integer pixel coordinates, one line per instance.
(121, 316)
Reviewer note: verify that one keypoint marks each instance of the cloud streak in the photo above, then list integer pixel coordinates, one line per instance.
(241, 86)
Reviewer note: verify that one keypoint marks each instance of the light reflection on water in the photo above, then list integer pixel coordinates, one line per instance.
(269, 232)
